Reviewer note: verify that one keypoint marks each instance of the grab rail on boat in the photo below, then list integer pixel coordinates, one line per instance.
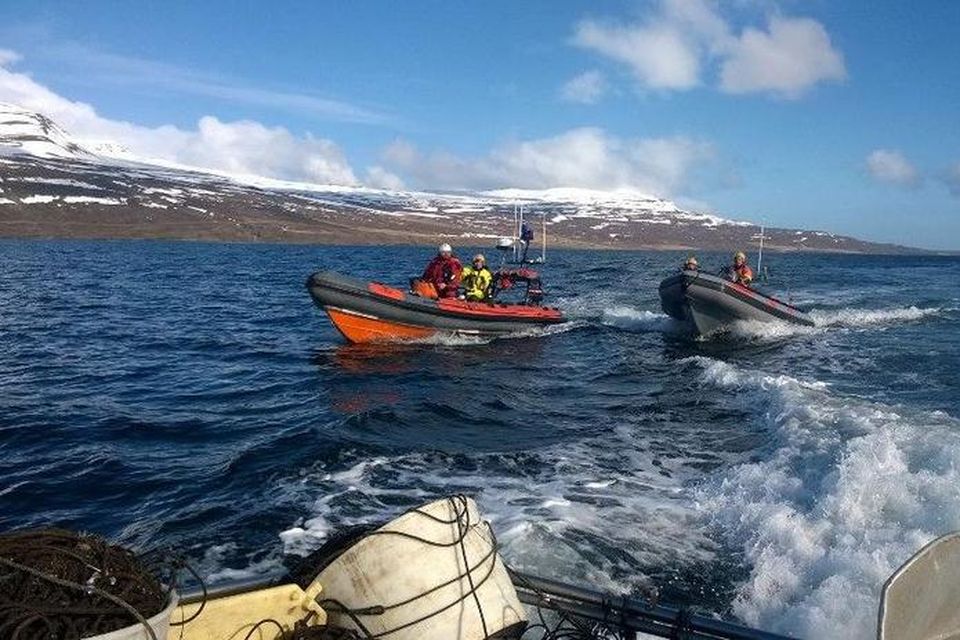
(631, 616)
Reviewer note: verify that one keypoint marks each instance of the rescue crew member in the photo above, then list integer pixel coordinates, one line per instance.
(444, 272)
(691, 264)
(476, 279)
(526, 237)
(741, 273)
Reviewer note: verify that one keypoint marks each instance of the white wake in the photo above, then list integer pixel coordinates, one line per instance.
(848, 491)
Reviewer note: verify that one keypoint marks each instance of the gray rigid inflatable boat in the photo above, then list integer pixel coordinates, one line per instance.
(711, 303)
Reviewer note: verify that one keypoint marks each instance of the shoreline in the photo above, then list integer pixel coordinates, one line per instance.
(453, 239)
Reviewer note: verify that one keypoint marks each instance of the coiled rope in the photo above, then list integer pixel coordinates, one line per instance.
(60, 585)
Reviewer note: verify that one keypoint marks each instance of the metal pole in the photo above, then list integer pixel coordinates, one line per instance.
(516, 230)
(523, 254)
(543, 247)
(631, 615)
(760, 257)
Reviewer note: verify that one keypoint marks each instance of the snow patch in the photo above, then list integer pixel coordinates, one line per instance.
(93, 200)
(65, 182)
(39, 199)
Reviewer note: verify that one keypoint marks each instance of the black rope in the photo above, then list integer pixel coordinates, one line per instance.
(461, 518)
(351, 613)
(69, 584)
(260, 624)
(66, 585)
(466, 565)
(568, 627)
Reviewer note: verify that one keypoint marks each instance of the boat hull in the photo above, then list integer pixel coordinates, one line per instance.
(372, 312)
(710, 304)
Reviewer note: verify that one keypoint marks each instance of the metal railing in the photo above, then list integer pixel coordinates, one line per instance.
(630, 616)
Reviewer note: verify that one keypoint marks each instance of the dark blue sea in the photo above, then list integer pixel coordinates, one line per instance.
(190, 394)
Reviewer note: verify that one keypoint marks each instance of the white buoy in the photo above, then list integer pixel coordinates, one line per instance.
(432, 574)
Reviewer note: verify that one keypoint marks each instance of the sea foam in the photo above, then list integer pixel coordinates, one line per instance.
(631, 319)
(848, 491)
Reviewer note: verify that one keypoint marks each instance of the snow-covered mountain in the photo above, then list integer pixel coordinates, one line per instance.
(25, 131)
(51, 186)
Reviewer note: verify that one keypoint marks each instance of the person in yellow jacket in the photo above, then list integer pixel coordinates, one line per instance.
(476, 279)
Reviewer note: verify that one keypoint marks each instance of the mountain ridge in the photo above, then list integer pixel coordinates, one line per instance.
(52, 186)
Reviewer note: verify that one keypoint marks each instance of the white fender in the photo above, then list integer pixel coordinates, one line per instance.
(408, 579)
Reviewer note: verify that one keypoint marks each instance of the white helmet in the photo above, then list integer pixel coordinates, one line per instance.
(444, 248)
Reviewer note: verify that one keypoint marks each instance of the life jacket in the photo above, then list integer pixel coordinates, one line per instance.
(443, 271)
(476, 282)
(423, 288)
(743, 274)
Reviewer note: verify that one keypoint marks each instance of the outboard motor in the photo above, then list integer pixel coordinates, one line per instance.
(508, 278)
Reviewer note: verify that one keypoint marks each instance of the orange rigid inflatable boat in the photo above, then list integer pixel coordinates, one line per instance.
(374, 312)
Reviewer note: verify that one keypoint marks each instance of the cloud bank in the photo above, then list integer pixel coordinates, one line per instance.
(674, 47)
(585, 157)
(241, 147)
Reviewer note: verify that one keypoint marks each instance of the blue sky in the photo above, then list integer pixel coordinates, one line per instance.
(815, 114)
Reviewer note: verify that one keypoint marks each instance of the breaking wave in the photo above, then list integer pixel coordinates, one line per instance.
(632, 319)
(452, 339)
(867, 317)
(848, 490)
(774, 330)
(642, 320)
(846, 318)
(566, 510)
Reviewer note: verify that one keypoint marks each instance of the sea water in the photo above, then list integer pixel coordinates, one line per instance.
(190, 395)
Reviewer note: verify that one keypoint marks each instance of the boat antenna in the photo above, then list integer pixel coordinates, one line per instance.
(523, 256)
(760, 237)
(516, 230)
(543, 238)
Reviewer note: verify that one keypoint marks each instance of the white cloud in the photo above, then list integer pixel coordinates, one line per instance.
(380, 178)
(244, 147)
(8, 57)
(891, 167)
(661, 56)
(586, 88)
(952, 179)
(250, 148)
(794, 55)
(674, 47)
(400, 153)
(585, 157)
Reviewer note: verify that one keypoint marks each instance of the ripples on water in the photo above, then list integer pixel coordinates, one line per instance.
(190, 394)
